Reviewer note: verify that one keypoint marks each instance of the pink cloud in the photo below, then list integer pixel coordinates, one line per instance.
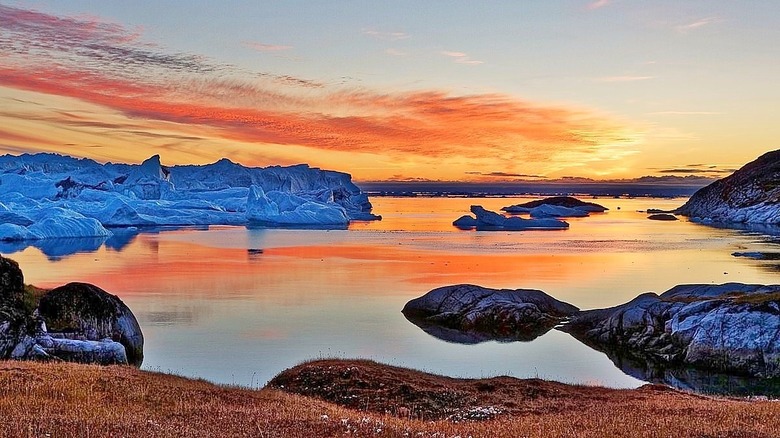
(262, 47)
(151, 86)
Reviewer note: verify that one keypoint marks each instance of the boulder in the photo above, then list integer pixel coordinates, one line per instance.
(662, 217)
(500, 314)
(86, 310)
(731, 328)
(14, 317)
(749, 195)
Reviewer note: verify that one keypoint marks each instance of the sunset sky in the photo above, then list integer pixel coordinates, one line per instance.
(398, 90)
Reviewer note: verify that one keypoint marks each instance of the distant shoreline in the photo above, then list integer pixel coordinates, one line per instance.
(481, 190)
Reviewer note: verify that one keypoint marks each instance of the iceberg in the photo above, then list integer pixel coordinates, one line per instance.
(46, 196)
(491, 221)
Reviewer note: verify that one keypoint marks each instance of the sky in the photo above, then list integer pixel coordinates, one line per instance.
(398, 90)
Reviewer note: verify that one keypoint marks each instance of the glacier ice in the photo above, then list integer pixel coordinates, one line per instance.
(491, 221)
(47, 196)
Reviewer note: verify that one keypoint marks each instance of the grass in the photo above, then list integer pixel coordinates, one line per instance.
(71, 400)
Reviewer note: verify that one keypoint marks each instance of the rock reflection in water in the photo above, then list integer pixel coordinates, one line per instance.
(695, 380)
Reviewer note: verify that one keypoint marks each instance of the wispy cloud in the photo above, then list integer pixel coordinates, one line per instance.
(684, 113)
(461, 58)
(507, 175)
(212, 99)
(387, 36)
(624, 78)
(262, 47)
(698, 24)
(395, 52)
(598, 4)
(697, 169)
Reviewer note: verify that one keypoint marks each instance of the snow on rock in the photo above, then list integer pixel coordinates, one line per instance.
(48, 195)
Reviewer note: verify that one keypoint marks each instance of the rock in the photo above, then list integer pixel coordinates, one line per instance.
(749, 195)
(14, 317)
(11, 281)
(521, 314)
(731, 328)
(662, 217)
(561, 201)
(85, 309)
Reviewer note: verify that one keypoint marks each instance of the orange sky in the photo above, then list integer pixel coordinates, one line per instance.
(86, 85)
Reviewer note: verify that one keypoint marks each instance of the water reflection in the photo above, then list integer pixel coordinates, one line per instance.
(55, 249)
(270, 298)
(474, 337)
(692, 379)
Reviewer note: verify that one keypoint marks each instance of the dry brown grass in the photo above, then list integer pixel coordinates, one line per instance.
(69, 400)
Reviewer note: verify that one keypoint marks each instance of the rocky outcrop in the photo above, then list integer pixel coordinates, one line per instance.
(491, 221)
(482, 313)
(731, 328)
(14, 317)
(662, 217)
(749, 195)
(77, 322)
(560, 201)
(82, 309)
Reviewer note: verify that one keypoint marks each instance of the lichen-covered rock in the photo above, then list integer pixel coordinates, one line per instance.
(749, 195)
(501, 314)
(95, 314)
(730, 328)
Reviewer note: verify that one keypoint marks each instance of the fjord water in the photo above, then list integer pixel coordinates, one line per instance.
(236, 306)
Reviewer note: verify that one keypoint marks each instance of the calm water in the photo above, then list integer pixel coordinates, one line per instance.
(237, 306)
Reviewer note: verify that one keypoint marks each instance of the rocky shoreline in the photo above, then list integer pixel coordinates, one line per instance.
(728, 332)
(77, 322)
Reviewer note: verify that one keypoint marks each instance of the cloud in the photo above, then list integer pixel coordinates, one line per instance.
(461, 58)
(387, 36)
(698, 24)
(395, 52)
(262, 47)
(598, 4)
(684, 113)
(151, 88)
(506, 175)
(624, 78)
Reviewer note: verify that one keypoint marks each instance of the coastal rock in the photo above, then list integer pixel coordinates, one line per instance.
(491, 221)
(502, 314)
(85, 310)
(560, 201)
(731, 328)
(749, 195)
(662, 217)
(14, 318)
